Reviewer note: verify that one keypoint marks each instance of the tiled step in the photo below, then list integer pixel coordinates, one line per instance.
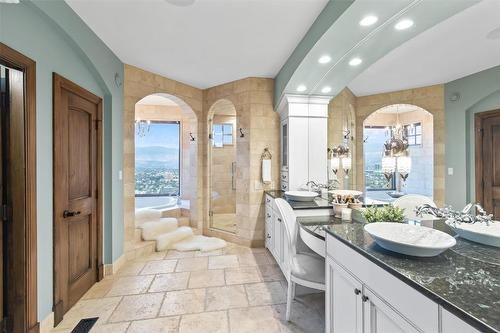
(140, 249)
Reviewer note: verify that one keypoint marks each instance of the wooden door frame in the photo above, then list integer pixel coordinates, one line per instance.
(26, 248)
(479, 118)
(60, 83)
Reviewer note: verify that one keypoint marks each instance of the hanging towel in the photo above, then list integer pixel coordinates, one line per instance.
(266, 171)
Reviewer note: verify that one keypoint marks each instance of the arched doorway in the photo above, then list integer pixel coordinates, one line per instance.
(410, 171)
(222, 153)
(165, 154)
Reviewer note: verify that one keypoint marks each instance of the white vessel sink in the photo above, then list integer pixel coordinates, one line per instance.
(479, 232)
(301, 195)
(409, 239)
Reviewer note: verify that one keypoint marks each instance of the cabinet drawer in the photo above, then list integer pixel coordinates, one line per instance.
(417, 308)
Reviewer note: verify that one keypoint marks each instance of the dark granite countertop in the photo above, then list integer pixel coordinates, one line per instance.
(318, 203)
(464, 279)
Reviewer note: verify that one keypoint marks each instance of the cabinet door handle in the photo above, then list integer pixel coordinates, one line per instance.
(279, 220)
(364, 298)
(268, 215)
(268, 201)
(268, 236)
(357, 291)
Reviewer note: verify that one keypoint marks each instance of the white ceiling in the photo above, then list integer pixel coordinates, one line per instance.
(205, 44)
(455, 48)
(157, 100)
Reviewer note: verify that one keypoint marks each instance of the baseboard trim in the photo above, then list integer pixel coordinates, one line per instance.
(110, 269)
(47, 324)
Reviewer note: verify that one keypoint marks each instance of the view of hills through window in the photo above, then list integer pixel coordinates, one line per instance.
(157, 160)
(375, 138)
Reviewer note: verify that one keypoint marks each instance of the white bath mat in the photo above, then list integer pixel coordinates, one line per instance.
(168, 240)
(201, 243)
(151, 230)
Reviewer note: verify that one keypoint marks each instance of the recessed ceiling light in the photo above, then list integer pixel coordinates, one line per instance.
(403, 24)
(326, 90)
(368, 20)
(301, 88)
(324, 59)
(494, 34)
(355, 61)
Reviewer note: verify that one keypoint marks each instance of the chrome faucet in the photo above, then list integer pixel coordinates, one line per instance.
(455, 217)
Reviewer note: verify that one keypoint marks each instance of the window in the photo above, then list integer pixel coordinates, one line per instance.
(374, 139)
(157, 161)
(414, 132)
(222, 135)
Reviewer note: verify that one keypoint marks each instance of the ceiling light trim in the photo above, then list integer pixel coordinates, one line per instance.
(389, 21)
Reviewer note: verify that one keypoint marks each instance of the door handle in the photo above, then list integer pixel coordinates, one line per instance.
(68, 213)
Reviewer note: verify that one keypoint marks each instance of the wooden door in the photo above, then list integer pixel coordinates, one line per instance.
(488, 161)
(76, 186)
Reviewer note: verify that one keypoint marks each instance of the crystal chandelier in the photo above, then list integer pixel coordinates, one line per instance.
(142, 127)
(396, 154)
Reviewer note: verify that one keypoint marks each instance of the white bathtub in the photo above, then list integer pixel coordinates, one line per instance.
(159, 203)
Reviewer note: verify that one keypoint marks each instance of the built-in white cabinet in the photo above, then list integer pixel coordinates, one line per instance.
(276, 236)
(362, 297)
(304, 127)
(344, 305)
(452, 324)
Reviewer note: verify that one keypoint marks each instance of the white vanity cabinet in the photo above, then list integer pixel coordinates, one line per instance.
(276, 236)
(452, 324)
(362, 297)
(377, 301)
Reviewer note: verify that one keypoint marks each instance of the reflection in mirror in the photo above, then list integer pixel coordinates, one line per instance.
(398, 152)
(341, 136)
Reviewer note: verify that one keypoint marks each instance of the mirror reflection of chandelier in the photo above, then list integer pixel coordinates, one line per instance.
(142, 127)
(396, 154)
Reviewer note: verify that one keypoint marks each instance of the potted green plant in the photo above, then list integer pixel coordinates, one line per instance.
(387, 213)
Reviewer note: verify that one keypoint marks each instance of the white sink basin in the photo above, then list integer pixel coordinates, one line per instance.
(479, 232)
(409, 239)
(301, 195)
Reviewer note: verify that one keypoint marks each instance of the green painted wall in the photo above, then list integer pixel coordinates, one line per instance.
(50, 33)
(479, 92)
(323, 22)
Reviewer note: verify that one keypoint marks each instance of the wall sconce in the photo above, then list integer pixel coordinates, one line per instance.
(241, 133)
(142, 127)
(340, 156)
(191, 137)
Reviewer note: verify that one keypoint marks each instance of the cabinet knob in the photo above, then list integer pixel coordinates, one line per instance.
(268, 215)
(364, 298)
(268, 201)
(357, 291)
(268, 236)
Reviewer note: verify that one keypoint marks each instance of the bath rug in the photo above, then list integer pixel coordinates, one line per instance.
(168, 240)
(202, 243)
(146, 215)
(151, 230)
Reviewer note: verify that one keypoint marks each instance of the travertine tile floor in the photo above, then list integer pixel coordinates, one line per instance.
(235, 290)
